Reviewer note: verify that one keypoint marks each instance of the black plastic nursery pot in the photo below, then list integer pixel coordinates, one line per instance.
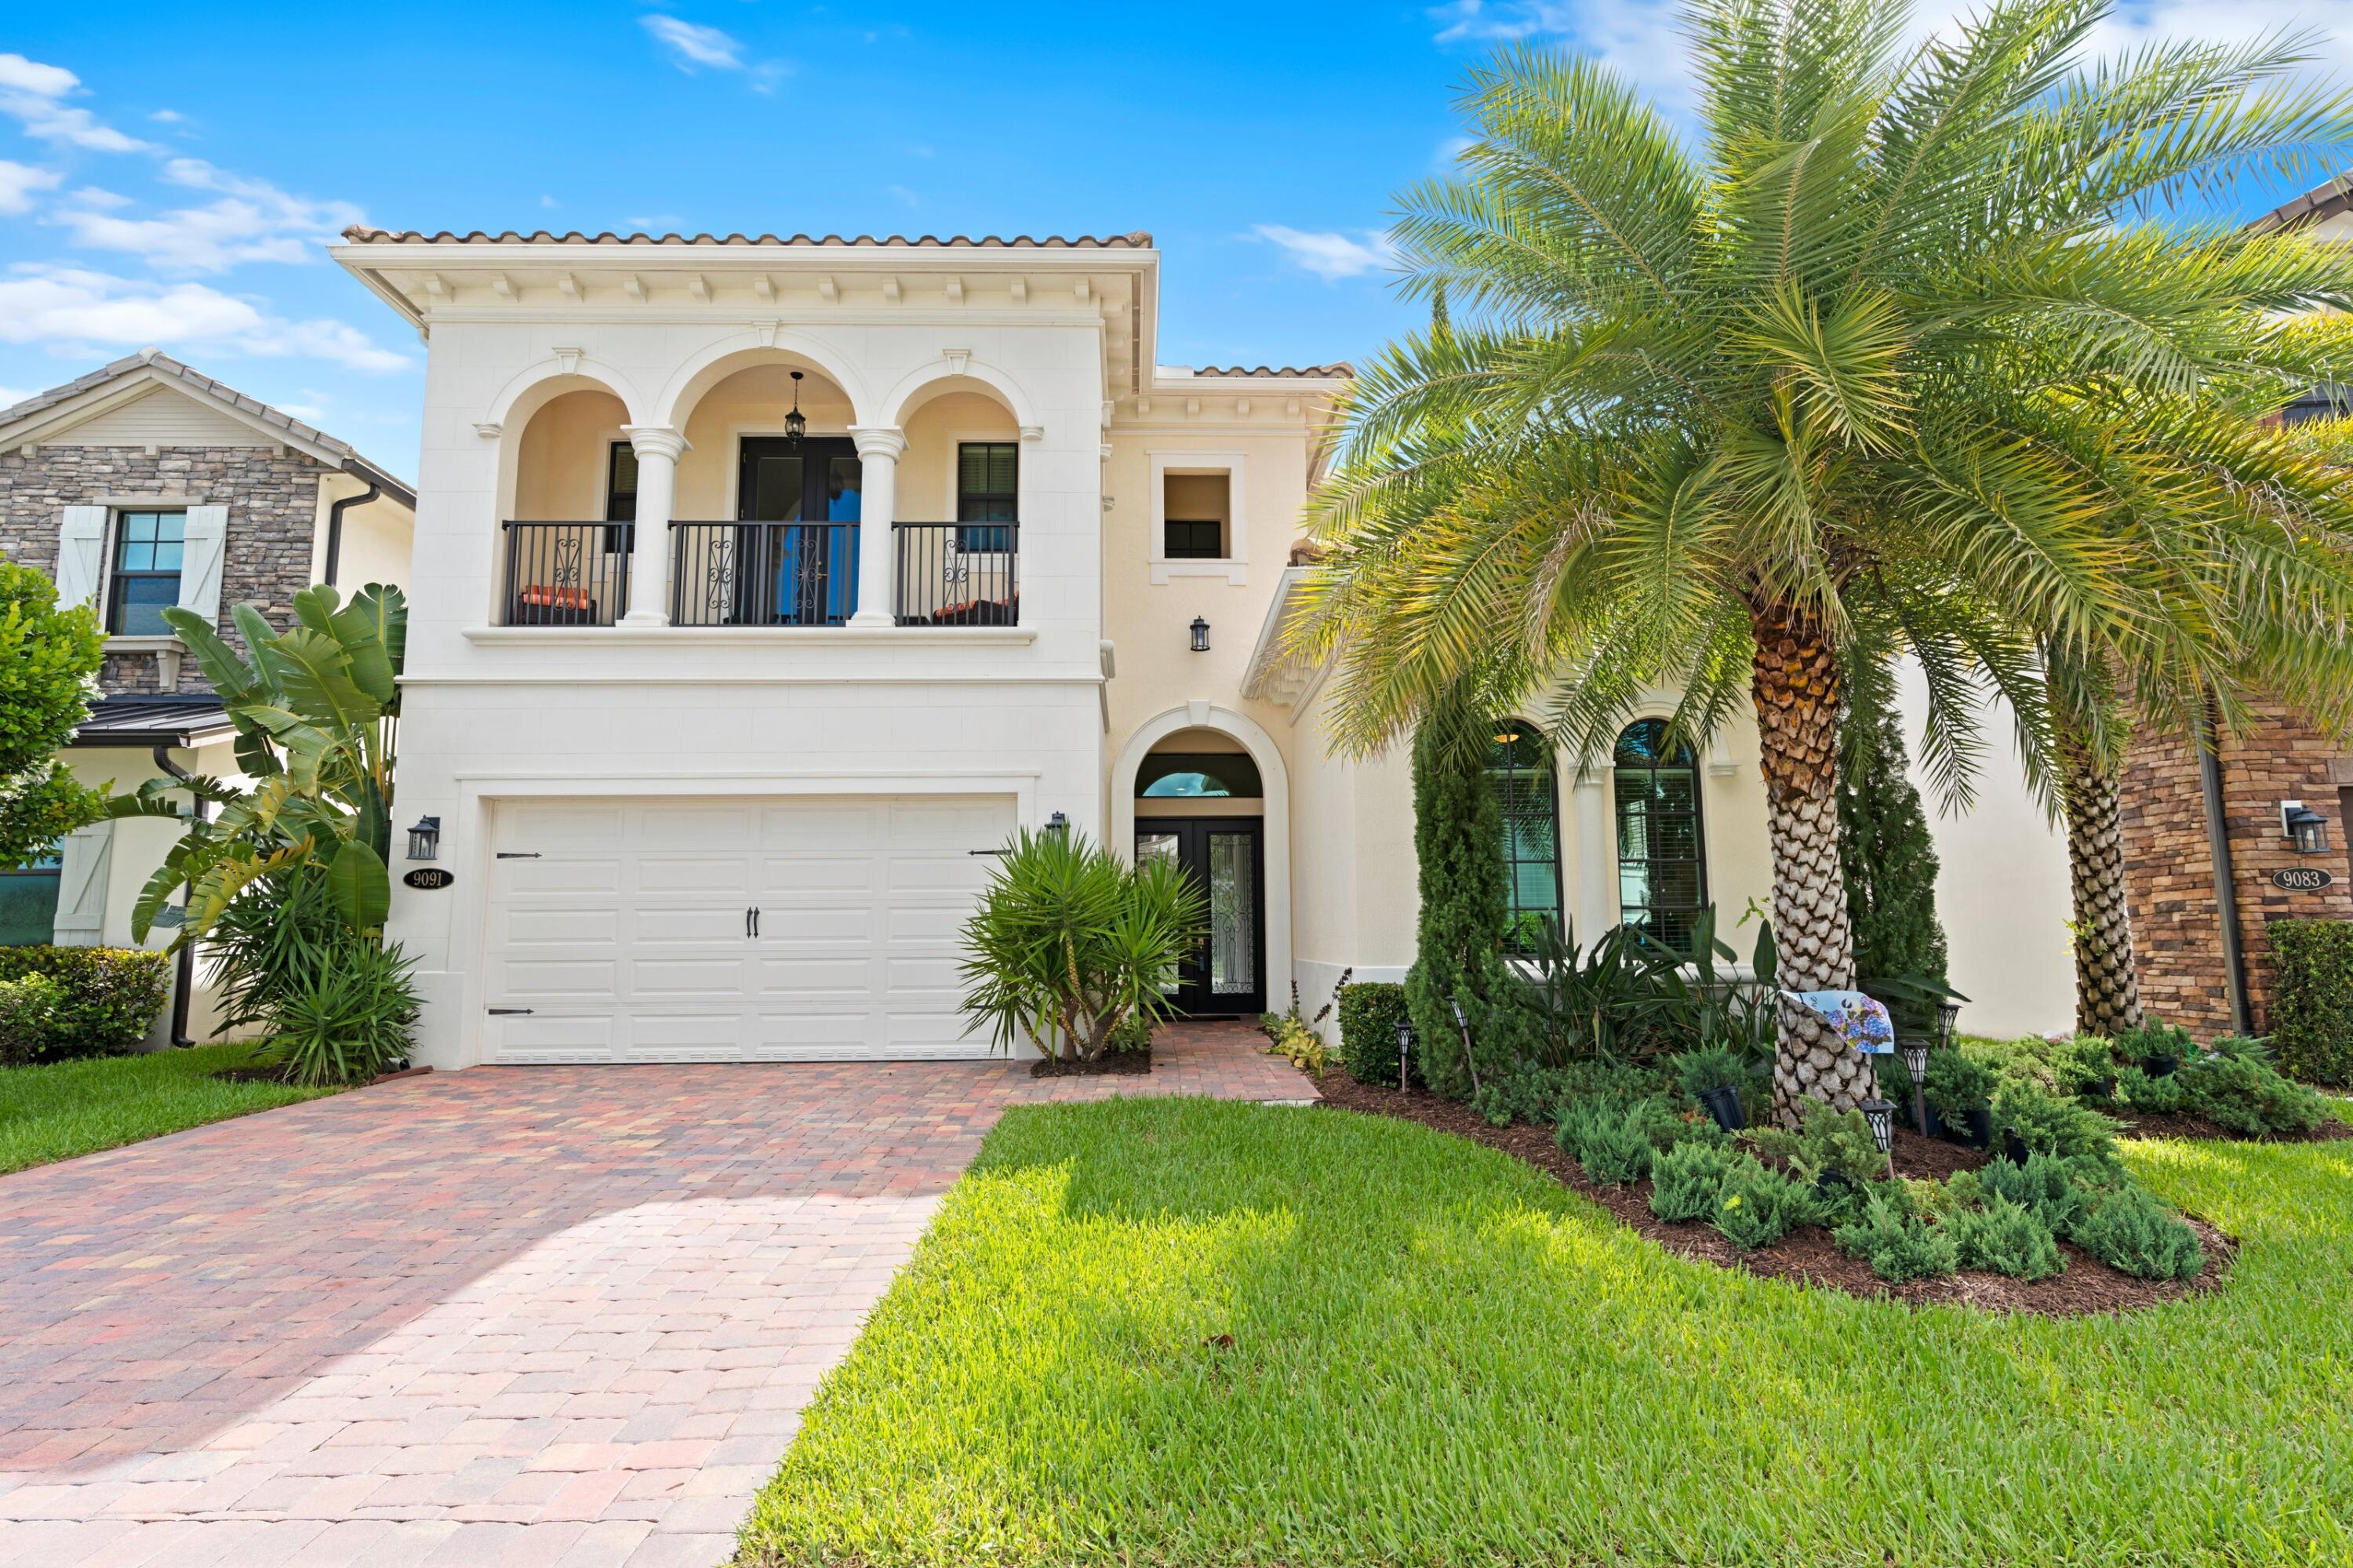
(1977, 1128)
(2102, 1088)
(1936, 1128)
(2161, 1066)
(2014, 1146)
(1724, 1106)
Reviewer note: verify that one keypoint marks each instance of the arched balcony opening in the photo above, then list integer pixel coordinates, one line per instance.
(568, 536)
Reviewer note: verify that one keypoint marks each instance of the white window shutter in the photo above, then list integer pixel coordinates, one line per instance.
(206, 533)
(89, 857)
(82, 554)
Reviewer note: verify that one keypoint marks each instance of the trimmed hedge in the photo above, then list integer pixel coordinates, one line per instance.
(2312, 999)
(1370, 1011)
(104, 999)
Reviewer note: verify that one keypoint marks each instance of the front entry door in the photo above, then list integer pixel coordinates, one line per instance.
(804, 563)
(1226, 976)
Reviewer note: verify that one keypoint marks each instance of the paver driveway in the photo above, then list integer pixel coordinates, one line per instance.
(523, 1314)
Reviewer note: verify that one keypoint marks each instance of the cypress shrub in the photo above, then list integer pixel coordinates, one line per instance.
(2312, 999)
(1458, 839)
(1369, 1010)
(1888, 859)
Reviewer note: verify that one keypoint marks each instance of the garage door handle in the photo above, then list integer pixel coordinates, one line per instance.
(508, 1011)
(752, 921)
(518, 854)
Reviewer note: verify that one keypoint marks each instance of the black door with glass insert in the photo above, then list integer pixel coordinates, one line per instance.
(796, 547)
(1226, 975)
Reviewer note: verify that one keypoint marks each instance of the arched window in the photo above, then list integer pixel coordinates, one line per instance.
(1661, 857)
(1519, 764)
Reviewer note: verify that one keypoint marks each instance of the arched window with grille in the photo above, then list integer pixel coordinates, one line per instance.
(1519, 764)
(1661, 851)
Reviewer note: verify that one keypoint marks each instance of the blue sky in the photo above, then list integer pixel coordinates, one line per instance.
(168, 172)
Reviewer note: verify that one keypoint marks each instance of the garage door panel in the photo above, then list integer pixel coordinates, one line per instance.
(626, 933)
(531, 926)
(703, 875)
(550, 877)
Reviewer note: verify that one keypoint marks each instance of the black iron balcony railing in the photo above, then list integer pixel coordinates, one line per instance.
(763, 574)
(566, 573)
(956, 574)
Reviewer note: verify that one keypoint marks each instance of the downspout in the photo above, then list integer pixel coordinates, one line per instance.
(183, 967)
(335, 526)
(2226, 902)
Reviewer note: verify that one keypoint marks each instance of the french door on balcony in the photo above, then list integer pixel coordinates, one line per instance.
(1225, 974)
(797, 507)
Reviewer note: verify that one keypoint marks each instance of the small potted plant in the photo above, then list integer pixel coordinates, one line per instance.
(1711, 1075)
(1959, 1090)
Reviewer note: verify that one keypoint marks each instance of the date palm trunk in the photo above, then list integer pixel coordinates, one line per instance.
(1794, 683)
(2107, 985)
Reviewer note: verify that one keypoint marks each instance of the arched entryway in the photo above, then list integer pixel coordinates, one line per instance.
(1205, 788)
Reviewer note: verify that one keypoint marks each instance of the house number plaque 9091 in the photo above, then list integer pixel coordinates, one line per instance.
(2301, 879)
(430, 877)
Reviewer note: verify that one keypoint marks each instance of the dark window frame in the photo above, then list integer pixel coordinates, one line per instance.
(998, 509)
(1651, 759)
(620, 505)
(119, 575)
(1190, 549)
(1520, 772)
(1237, 771)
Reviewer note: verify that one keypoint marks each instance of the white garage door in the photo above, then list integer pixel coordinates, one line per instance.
(723, 930)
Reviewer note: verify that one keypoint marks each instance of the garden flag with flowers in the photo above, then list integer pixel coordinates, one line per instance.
(1859, 1019)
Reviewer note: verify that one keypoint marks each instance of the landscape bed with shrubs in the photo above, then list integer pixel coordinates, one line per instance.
(2046, 1218)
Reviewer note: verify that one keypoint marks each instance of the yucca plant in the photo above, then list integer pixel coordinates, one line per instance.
(1067, 943)
(1907, 351)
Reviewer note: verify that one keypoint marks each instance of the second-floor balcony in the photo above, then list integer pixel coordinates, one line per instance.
(764, 504)
(762, 574)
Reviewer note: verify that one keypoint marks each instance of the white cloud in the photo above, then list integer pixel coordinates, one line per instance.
(547, 201)
(34, 95)
(12, 395)
(1331, 255)
(81, 312)
(19, 181)
(252, 221)
(694, 44)
(168, 117)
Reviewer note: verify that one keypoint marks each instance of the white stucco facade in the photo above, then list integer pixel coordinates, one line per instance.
(683, 823)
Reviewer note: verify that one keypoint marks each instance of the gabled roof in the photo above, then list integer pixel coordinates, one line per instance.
(360, 234)
(2322, 201)
(154, 365)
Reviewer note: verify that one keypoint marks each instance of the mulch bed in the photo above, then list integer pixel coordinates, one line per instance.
(269, 1075)
(1806, 1255)
(2179, 1126)
(1123, 1063)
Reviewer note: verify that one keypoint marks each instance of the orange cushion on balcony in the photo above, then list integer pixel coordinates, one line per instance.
(555, 597)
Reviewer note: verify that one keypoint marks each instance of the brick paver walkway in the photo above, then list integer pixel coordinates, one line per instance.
(521, 1315)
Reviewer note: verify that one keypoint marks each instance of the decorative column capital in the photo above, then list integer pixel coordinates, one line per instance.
(657, 441)
(885, 441)
(1033, 432)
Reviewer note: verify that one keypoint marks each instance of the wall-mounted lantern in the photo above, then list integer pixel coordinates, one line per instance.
(1057, 823)
(425, 839)
(1200, 635)
(2306, 829)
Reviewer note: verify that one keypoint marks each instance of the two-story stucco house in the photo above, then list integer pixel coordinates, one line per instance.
(763, 587)
(142, 486)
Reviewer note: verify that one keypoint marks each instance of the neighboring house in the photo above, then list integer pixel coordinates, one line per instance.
(765, 587)
(143, 486)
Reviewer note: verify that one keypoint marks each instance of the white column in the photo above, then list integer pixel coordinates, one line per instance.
(878, 447)
(659, 448)
(1597, 852)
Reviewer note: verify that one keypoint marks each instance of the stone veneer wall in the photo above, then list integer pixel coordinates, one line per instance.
(272, 496)
(2177, 939)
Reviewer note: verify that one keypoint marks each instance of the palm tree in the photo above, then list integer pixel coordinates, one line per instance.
(1880, 364)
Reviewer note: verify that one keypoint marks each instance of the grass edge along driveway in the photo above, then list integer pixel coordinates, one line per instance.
(1184, 1332)
(59, 1109)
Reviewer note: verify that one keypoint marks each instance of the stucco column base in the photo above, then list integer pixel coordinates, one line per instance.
(659, 448)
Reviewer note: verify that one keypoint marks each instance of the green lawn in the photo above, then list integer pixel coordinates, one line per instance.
(1440, 1355)
(77, 1107)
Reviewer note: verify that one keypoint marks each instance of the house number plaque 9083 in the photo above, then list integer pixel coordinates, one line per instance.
(2301, 879)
